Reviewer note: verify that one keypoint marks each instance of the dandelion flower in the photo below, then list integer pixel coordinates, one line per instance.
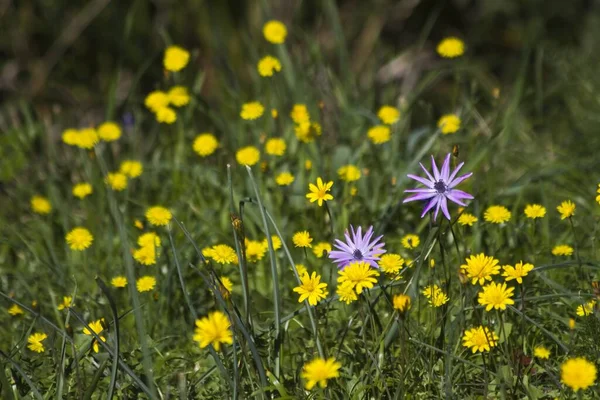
(435, 295)
(308, 132)
(562, 250)
(360, 274)
(391, 263)
(410, 241)
(109, 131)
(87, 138)
(251, 111)
(275, 31)
(586, 309)
(578, 373)
(176, 58)
(480, 339)
(66, 303)
(321, 249)
(496, 296)
(497, 214)
(449, 123)
(15, 310)
(268, 65)
(541, 352)
(41, 205)
(308, 165)
(319, 192)
(116, 180)
(302, 239)
(299, 114)
(255, 250)
(70, 136)
(166, 115)
(571, 323)
(145, 283)
(249, 155)
(213, 330)
(275, 240)
(440, 188)
(284, 179)
(346, 292)
(319, 371)
(467, 219)
(349, 173)
(379, 134)
(357, 248)
(158, 216)
(401, 302)
(79, 239)
(275, 147)
(119, 281)
(97, 327)
(178, 96)
(517, 272)
(225, 287)
(451, 47)
(534, 211)
(34, 342)
(205, 144)
(311, 288)
(480, 268)
(145, 255)
(566, 209)
(131, 168)
(82, 190)
(301, 269)
(388, 115)
(223, 254)
(156, 100)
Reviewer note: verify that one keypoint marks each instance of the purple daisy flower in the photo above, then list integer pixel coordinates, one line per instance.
(357, 248)
(440, 188)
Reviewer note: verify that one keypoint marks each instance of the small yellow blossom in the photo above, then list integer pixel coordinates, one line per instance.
(145, 283)
(410, 241)
(517, 272)
(215, 329)
(349, 173)
(497, 214)
(562, 250)
(379, 134)
(119, 281)
(268, 65)
(308, 165)
(131, 168)
(401, 302)
(79, 239)
(226, 286)
(251, 111)
(275, 147)
(388, 115)
(566, 209)
(156, 100)
(255, 250)
(451, 47)
(302, 239)
(583, 310)
(109, 131)
(176, 58)
(541, 352)
(222, 254)
(178, 96)
(496, 296)
(391, 263)
(449, 123)
(534, 211)
(82, 190)
(205, 144)
(360, 274)
(34, 342)
(66, 303)
(87, 138)
(284, 179)
(275, 32)
(311, 288)
(97, 327)
(319, 192)
(480, 339)
(145, 255)
(319, 371)
(346, 292)
(578, 373)
(116, 180)
(321, 249)
(41, 205)
(15, 310)
(480, 268)
(166, 115)
(467, 219)
(158, 216)
(299, 114)
(274, 113)
(249, 155)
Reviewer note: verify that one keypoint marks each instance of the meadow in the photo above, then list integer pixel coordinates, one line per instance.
(300, 201)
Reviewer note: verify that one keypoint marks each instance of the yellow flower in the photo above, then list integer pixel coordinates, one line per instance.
(205, 144)
(480, 268)
(379, 134)
(40, 205)
(449, 123)
(79, 239)
(178, 96)
(275, 147)
(299, 114)
(586, 309)
(435, 295)
(534, 211)
(138, 224)
(517, 272)
(158, 216)
(566, 209)
(319, 371)
(402, 302)
(119, 281)
(562, 250)
(480, 339)
(496, 296)
(222, 254)
(321, 249)
(213, 330)
(70, 136)
(467, 219)
(87, 138)
(571, 323)
(274, 113)
(249, 155)
(541, 352)
(391, 263)
(145, 255)
(346, 292)
(410, 241)
(388, 115)
(311, 288)
(301, 269)
(109, 131)
(15, 310)
(34, 342)
(578, 373)
(225, 287)
(66, 303)
(451, 47)
(156, 100)
(275, 240)
(175, 58)
(275, 31)
(97, 327)
(319, 191)
(145, 283)
(268, 65)
(284, 179)
(308, 165)
(302, 239)
(349, 173)
(116, 180)
(497, 214)
(252, 110)
(360, 274)
(255, 250)
(82, 190)
(131, 168)
(166, 115)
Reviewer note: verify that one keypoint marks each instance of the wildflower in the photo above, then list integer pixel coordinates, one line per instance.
(480, 339)
(410, 241)
(480, 268)
(435, 295)
(571, 323)
(178, 96)
(346, 292)
(87, 138)
(308, 165)
(586, 309)
(349, 173)
(541, 352)
(205, 144)
(566, 209)
(156, 100)
(430, 290)
(299, 114)
(145, 283)
(321, 249)
(274, 240)
(166, 115)
(249, 155)
(119, 281)
(138, 224)
(109, 131)
(131, 168)
(226, 286)
(70, 136)
(353, 191)
(379, 134)
(158, 216)
(311, 288)
(388, 115)
(222, 254)
(175, 58)
(213, 330)
(534, 211)
(275, 147)
(497, 214)
(41, 205)
(562, 250)
(255, 250)
(319, 191)
(449, 123)
(97, 327)
(79, 239)
(82, 190)
(401, 302)
(284, 179)
(116, 180)
(149, 239)
(598, 196)
(391, 263)
(440, 188)
(467, 219)
(517, 272)
(252, 110)
(578, 373)
(496, 296)
(360, 274)
(302, 239)
(274, 113)
(145, 255)
(319, 371)
(451, 47)
(275, 32)
(15, 310)
(357, 248)
(34, 342)
(301, 269)
(268, 65)
(66, 303)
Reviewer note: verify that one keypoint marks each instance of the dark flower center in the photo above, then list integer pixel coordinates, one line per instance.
(357, 254)
(440, 186)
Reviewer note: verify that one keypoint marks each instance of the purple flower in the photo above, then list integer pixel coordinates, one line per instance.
(440, 188)
(357, 248)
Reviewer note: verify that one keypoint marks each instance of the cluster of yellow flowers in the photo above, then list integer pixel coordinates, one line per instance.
(87, 138)
(160, 103)
(149, 243)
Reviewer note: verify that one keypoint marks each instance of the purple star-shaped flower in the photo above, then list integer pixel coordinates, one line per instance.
(357, 248)
(440, 188)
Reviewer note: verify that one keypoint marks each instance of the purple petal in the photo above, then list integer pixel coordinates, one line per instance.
(437, 209)
(429, 206)
(458, 180)
(423, 190)
(343, 246)
(446, 169)
(454, 199)
(459, 194)
(427, 173)
(419, 196)
(445, 208)
(424, 181)
(436, 172)
(458, 167)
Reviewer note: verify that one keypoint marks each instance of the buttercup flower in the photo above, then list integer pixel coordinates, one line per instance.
(205, 144)
(319, 192)
(176, 58)
(79, 239)
(480, 268)
(66, 303)
(440, 188)
(82, 190)
(311, 288)
(360, 274)
(562, 250)
(249, 155)
(357, 248)
(145, 283)
(496, 296)
(284, 179)
(34, 342)
(251, 111)
(449, 123)
(451, 47)
(275, 31)
(40, 205)
(158, 216)
(480, 339)
(578, 373)
(320, 371)
(534, 211)
(497, 214)
(379, 134)
(566, 209)
(97, 327)
(388, 115)
(349, 173)
(268, 65)
(213, 330)
(517, 272)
